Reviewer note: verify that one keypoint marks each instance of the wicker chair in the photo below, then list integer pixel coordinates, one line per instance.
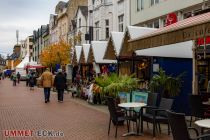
(180, 130)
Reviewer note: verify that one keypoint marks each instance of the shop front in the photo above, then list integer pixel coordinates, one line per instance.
(191, 28)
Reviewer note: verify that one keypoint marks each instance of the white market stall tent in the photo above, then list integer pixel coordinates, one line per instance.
(178, 50)
(86, 49)
(118, 42)
(21, 67)
(96, 54)
(78, 50)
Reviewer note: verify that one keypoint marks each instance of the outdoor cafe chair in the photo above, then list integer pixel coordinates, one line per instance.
(156, 115)
(198, 110)
(118, 117)
(180, 130)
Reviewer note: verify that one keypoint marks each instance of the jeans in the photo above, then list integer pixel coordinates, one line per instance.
(47, 94)
(60, 94)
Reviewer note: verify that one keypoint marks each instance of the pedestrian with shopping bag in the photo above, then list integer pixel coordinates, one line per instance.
(60, 84)
(47, 83)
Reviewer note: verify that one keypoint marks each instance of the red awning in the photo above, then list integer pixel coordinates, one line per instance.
(37, 67)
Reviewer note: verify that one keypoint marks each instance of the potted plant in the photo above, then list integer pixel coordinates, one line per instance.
(112, 84)
(167, 85)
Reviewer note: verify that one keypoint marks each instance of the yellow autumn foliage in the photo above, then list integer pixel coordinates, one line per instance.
(58, 53)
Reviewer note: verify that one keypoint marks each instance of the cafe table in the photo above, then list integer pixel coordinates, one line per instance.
(206, 103)
(205, 123)
(132, 105)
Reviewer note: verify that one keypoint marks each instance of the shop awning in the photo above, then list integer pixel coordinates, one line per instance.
(178, 50)
(118, 42)
(184, 30)
(86, 49)
(35, 66)
(114, 45)
(78, 50)
(97, 51)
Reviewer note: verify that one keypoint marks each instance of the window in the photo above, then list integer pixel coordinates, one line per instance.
(187, 15)
(163, 22)
(150, 25)
(97, 30)
(120, 20)
(140, 5)
(153, 2)
(107, 28)
(156, 24)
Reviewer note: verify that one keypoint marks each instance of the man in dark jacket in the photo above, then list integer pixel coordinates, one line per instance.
(60, 84)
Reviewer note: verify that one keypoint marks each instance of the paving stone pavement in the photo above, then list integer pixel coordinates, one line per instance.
(24, 109)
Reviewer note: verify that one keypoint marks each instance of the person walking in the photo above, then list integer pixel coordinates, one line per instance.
(14, 78)
(27, 79)
(1, 75)
(60, 84)
(18, 77)
(47, 83)
(31, 81)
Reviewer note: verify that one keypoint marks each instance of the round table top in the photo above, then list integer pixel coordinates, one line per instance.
(206, 103)
(203, 123)
(131, 104)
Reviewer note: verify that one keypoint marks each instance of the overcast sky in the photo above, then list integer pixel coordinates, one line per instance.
(22, 15)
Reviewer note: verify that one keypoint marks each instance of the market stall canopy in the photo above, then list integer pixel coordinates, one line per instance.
(131, 32)
(188, 29)
(114, 45)
(178, 50)
(33, 64)
(82, 57)
(74, 57)
(86, 49)
(23, 63)
(78, 50)
(97, 51)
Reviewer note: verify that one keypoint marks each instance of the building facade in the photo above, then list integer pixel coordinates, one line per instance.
(14, 59)
(46, 37)
(121, 15)
(53, 30)
(71, 11)
(106, 16)
(26, 47)
(81, 26)
(153, 13)
(62, 21)
(2, 63)
(38, 42)
(100, 19)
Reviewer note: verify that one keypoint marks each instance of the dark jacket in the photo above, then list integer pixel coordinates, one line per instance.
(60, 81)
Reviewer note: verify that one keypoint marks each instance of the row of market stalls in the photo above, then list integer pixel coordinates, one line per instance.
(117, 54)
(193, 31)
(88, 61)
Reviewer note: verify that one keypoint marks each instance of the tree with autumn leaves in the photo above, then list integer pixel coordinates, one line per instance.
(58, 53)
